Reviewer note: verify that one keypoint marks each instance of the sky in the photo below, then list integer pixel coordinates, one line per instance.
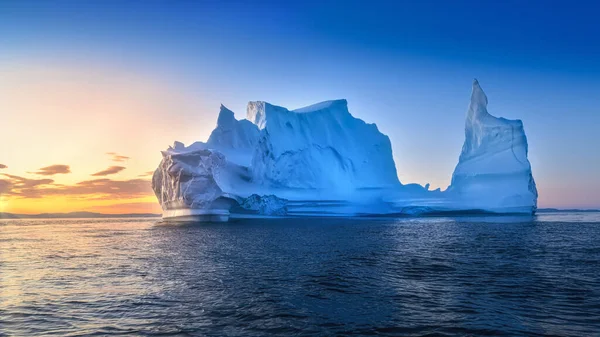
(91, 91)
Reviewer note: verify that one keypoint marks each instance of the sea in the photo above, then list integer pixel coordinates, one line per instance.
(459, 276)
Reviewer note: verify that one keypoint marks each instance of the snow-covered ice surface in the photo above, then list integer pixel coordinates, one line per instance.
(320, 147)
(322, 161)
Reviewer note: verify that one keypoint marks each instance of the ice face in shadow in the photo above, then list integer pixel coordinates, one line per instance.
(322, 161)
(186, 184)
(493, 172)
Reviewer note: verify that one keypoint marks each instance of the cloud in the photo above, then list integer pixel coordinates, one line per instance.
(103, 188)
(16, 185)
(21, 182)
(117, 157)
(109, 171)
(5, 186)
(53, 169)
(2, 166)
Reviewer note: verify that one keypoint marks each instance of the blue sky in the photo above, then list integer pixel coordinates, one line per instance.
(405, 65)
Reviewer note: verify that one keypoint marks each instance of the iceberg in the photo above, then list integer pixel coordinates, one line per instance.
(493, 172)
(322, 161)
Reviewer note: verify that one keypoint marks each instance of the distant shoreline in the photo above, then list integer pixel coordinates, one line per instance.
(548, 210)
(76, 215)
(92, 215)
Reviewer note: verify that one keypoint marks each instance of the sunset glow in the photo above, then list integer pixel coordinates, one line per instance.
(89, 138)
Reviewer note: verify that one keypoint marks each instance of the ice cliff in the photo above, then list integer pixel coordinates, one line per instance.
(320, 146)
(186, 183)
(322, 161)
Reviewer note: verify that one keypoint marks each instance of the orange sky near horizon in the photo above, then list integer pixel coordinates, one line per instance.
(68, 204)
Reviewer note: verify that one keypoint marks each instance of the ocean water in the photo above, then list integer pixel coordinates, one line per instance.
(399, 277)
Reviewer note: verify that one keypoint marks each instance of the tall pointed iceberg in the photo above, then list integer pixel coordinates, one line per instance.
(493, 172)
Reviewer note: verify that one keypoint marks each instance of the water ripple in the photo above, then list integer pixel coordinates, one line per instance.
(410, 277)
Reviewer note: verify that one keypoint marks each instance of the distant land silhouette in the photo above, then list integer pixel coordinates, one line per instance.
(90, 215)
(549, 210)
(75, 215)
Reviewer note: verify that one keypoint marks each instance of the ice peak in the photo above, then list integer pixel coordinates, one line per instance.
(177, 146)
(226, 118)
(479, 101)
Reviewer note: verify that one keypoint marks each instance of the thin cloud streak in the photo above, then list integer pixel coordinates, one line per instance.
(146, 174)
(2, 166)
(21, 182)
(117, 157)
(109, 171)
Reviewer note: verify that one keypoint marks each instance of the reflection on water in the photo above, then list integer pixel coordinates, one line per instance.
(449, 276)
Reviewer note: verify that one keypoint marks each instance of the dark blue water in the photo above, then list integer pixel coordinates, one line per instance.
(419, 277)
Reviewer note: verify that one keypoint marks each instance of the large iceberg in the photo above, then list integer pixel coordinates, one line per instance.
(322, 161)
